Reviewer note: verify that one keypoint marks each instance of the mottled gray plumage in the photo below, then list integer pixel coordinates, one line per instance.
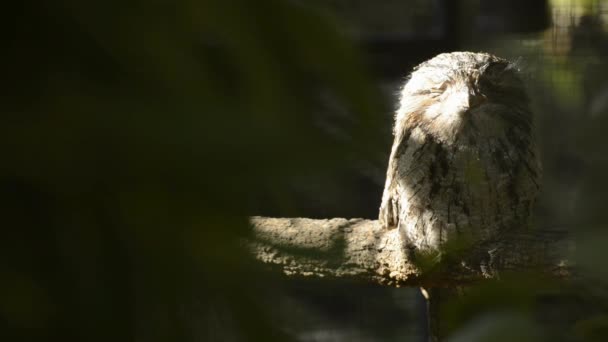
(463, 165)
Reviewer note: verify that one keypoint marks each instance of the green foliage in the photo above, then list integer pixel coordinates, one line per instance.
(594, 328)
(501, 326)
(565, 72)
(133, 136)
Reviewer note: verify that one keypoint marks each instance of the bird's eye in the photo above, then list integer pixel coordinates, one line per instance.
(501, 90)
(437, 90)
(494, 68)
(492, 84)
(427, 92)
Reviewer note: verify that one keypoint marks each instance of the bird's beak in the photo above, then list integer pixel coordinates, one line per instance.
(468, 99)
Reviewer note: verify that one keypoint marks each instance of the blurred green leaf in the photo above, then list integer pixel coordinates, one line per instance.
(136, 134)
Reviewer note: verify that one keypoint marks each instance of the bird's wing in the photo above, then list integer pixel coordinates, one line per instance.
(390, 206)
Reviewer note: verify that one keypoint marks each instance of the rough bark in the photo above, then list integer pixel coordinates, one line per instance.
(360, 249)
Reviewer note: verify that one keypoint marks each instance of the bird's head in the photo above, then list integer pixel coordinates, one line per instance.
(464, 93)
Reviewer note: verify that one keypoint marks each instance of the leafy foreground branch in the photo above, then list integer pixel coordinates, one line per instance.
(360, 249)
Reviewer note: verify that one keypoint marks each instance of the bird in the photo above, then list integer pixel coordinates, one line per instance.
(464, 169)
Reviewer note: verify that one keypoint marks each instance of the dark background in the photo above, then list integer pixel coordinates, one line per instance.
(137, 137)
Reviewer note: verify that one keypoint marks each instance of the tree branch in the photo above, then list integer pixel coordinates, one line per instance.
(362, 250)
